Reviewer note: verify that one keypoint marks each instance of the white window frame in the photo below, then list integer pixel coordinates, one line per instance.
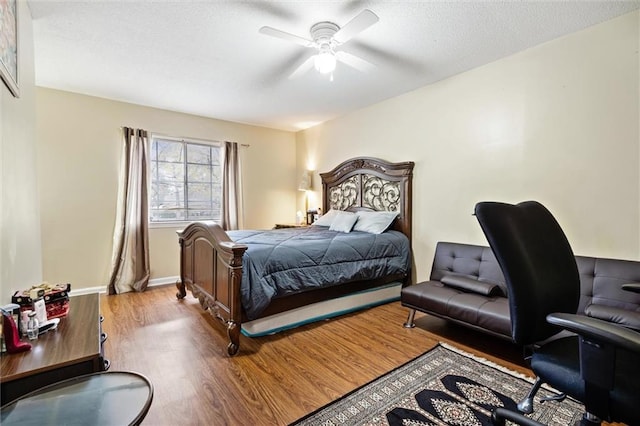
(151, 178)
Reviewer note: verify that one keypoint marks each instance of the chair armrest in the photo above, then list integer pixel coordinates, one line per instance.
(634, 287)
(598, 330)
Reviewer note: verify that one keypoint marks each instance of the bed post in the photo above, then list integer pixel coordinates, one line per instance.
(180, 285)
(235, 305)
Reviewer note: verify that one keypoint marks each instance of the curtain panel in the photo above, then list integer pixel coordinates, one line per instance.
(231, 187)
(130, 259)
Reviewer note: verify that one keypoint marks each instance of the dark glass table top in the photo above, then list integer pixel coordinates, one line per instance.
(107, 398)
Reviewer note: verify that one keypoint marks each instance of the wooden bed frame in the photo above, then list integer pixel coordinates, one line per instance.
(211, 263)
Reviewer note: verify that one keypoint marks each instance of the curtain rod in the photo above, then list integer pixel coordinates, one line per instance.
(182, 138)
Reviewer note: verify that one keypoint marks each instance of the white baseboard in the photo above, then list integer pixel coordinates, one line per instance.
(152, 283)
(163, 281)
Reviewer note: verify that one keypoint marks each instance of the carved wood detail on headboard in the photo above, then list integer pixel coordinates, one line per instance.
(367, 183)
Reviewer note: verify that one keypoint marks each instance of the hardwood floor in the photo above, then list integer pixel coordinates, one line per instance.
(273, 380)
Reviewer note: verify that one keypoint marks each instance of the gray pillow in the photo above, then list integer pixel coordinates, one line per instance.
(462, 282)
(327, 218)
(343, 222)
(374, 222)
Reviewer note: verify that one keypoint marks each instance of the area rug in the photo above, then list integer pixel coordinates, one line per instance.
(445, 386)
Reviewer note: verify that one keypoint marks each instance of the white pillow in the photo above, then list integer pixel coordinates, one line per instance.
(343, 222)
(374, 222)
(327, 218)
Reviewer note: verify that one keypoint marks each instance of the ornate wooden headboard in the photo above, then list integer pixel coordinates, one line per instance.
(366, 183)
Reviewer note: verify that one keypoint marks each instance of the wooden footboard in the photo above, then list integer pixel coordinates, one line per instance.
(211, 267)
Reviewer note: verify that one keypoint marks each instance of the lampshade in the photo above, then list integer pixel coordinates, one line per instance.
(325, 62)
(305, 181)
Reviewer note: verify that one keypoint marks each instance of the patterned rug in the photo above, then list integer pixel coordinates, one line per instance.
(445, 386)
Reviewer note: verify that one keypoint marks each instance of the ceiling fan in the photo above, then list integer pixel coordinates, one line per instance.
(325, 38)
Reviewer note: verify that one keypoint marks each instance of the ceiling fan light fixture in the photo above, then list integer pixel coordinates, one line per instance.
(325, 62)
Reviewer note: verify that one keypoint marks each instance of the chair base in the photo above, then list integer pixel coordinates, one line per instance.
(499, 416)
(589, 419)
(526, 405)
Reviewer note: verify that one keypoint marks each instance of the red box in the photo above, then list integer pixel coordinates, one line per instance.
(56, 300)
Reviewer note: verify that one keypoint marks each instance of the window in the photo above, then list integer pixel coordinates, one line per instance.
(186, 182)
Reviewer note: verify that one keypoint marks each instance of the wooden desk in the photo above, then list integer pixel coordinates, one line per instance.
(74, 349)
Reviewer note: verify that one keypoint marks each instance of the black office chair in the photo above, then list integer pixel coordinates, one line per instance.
(600, 365)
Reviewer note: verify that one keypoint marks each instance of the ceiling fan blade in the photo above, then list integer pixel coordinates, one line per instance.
(303, 68)
(286, 36)
(272, 8)
(354, 62)
(361, 22)
(381, 55)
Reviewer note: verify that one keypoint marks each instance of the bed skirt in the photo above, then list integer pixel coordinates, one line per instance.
(322, 310)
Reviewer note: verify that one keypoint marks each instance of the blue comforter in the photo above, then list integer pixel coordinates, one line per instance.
(285, 261)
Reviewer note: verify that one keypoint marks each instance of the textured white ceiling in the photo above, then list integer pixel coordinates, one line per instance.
(207, 57)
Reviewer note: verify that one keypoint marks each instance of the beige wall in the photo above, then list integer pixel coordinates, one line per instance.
(558, 123)
(78, 158)
(20, 249)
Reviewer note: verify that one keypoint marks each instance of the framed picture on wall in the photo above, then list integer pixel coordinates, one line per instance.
(9, 44)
